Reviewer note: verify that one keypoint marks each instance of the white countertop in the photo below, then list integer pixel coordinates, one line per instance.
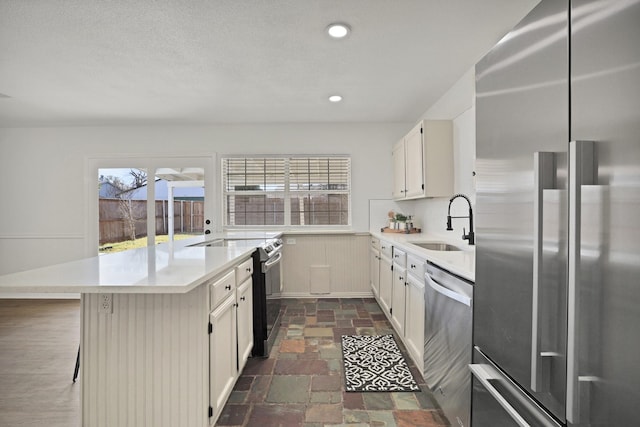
(461, 263)
(179, 268)
(165, 268)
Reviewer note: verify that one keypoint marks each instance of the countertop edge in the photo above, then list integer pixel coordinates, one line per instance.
(244, 254)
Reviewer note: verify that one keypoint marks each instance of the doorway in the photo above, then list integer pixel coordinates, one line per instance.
(144, 201)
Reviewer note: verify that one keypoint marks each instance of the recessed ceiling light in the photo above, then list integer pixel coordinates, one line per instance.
(335, 98)
(338, 30)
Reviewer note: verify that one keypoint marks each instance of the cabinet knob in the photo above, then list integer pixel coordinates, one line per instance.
(248, 270)
(413, 266)
(228, 287)
(241, 298)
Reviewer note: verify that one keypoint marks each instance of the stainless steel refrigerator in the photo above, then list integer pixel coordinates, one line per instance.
(557, 294)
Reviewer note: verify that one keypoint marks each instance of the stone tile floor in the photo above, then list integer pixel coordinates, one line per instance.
(301, 383)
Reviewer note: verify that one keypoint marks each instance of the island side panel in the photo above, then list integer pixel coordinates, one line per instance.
(147, 363)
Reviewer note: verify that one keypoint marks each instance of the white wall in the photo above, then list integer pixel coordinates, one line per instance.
(42, 173)
(457, 104)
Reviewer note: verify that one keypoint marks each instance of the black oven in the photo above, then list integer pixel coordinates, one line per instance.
(267, 290)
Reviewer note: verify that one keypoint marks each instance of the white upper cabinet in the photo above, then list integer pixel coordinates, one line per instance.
(413, 148)
(398, 170)
(423, 161)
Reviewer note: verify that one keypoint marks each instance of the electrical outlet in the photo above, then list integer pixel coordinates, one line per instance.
(106, 304)
(291, 241)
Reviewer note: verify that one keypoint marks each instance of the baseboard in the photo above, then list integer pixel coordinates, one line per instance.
(302, 295)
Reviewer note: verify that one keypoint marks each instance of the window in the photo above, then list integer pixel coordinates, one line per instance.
(296, 191)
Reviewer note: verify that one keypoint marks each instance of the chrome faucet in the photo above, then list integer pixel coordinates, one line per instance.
(471, 236)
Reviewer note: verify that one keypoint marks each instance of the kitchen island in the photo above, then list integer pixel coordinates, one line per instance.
(145, 339)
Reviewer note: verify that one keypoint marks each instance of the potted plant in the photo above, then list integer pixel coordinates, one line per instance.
(400, 221)
(392, 219)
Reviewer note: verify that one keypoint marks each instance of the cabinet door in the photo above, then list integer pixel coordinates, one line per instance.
(386, 281)
(398, 299)
(374, 267)
(398, 170)
(414, 172)
(245, 322)
(222, 353)
(414, 324)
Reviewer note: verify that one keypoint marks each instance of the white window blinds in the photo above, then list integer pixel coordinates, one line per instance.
(298, 191)
(253, 174)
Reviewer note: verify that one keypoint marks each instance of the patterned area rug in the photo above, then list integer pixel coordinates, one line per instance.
(374, 363)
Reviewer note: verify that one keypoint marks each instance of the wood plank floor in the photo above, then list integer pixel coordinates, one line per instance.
(38, 346)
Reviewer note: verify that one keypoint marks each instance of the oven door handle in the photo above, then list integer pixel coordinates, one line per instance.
(270, 263)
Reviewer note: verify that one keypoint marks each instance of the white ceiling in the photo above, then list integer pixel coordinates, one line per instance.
(118, 62)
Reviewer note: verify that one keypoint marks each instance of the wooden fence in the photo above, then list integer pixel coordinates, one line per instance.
(117, 217)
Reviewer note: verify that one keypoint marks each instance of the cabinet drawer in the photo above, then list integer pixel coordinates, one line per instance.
(386, 249)
(244, 270)
(415, 266)
(375, 242)
(222, 288)
(399, 257)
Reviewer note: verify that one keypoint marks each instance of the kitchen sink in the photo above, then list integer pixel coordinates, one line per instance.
(438, 246)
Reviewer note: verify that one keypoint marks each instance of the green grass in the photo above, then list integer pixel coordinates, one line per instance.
(109, 248)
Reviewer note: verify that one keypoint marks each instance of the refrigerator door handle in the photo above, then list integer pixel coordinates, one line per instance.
(582, 171)
(544, 169)
(483, 374)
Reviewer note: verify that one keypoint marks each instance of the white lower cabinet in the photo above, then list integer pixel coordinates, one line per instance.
(398, 299)
(385, 276)
(223, 368)
(245, 322)
(230, 333)
(374, 265)
(386, 284)
(415, 315)
(399, 283)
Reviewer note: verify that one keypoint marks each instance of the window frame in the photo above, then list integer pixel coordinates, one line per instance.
(287, 192)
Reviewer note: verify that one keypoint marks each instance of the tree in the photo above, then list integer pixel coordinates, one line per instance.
(139, 178)
(122, 191)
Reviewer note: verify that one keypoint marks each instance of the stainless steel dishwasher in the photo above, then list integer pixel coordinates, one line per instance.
(448, 341)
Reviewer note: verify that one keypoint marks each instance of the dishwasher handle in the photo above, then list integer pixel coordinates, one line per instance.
(446, 291)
